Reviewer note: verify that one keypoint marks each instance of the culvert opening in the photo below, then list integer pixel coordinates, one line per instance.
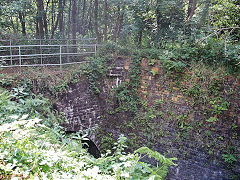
(90, 146)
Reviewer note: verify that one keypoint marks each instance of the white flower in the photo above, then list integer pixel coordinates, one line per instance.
(13, 116)
(24, 117)
(127, 164)
(36, 178)
(93, 173)
(125, 174)
(14, 178)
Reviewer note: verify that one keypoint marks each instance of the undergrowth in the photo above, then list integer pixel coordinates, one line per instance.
(34, 146)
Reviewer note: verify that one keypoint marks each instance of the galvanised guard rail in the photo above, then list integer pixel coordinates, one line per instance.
(45, 54)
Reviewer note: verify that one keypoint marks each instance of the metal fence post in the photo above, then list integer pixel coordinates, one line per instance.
(60, 51)
(95, 49)
(67, 51)
(16, 54)
(20, 59)
(41, 50)
(11, 51)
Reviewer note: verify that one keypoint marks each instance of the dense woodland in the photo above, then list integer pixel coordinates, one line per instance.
(145, 22)
(193, 27)
(203, 26)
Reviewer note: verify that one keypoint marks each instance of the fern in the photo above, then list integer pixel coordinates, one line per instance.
(159, 172)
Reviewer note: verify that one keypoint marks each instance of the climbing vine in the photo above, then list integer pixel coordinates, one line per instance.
(96, 69)
(126, 93)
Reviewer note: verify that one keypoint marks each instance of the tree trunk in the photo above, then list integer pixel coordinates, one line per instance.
(55, 27)
(53, 18)
(69, 19)
(99, 39)
(45, 24)
(63, 19)
(140, 38)
(22, 20)
(61, 25)
(40, 26)
(17, 25)
(89, 18)
(82, 31)
(105, 20)
(191, 9)
(37, 28)
(78, 12)
(158, 15)
(118, 24)
(40, 18)
(74, 22)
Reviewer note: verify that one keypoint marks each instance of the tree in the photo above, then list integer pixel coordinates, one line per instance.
(119, 23)
(22, 20)
(191, 9)
(96, 27)
(74, 20)
(144, 22)
(41, 19)
(105, 20)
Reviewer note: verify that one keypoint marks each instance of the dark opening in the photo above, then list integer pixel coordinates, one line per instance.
(90, 146)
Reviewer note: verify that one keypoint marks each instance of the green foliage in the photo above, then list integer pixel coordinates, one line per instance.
(212, 119)
(154, 72)
(229, 158)
(111, 48)
(218, 106)
(24, 103)
(128, 100)
(31, 147)
(158, 172)
(107, 48)
(211, 53)
(230, 155)
(107, 142)
(174, 66)
(131, 166)
(151, 53)
(215, 87)
(152, 62)
(5, 81)
(194, 91)
(126, 93)
(177, 56)
(95, 70)
(226, 13)
(153, 22)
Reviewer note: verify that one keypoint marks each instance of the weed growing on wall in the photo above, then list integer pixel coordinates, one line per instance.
(96, 70)
(126, 93)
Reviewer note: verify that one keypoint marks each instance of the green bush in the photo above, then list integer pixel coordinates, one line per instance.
(215, 53)
(174, 66)
(110, 48)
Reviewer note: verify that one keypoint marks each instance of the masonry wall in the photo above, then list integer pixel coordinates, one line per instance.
(85, 110)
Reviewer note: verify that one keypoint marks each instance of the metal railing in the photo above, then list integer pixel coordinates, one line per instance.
(10, 42)
(45, 53)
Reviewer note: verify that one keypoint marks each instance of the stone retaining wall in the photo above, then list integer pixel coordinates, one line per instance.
(85, 110)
